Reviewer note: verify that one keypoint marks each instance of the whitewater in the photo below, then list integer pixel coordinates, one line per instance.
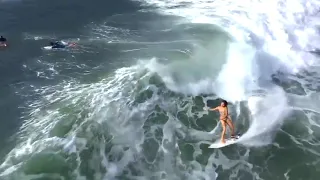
(143, 118)
(268, 37)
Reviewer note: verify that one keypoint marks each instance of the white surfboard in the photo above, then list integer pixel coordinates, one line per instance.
(228, 142)
(47, 47)
(3, 45)
(64, 43)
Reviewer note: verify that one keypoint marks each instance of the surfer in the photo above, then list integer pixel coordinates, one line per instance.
(57, 45)
(225, 119)
(61, 45)
(3, 41)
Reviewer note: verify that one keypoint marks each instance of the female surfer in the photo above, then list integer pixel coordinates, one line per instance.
(225, 119)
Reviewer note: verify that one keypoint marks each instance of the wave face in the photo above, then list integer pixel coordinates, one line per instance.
(131, 105)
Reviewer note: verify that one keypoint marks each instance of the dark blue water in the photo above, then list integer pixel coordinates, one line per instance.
(21, 22)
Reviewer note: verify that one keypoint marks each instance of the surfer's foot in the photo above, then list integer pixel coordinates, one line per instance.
(223, 141)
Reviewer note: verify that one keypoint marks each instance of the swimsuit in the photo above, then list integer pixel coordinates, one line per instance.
(222, 113)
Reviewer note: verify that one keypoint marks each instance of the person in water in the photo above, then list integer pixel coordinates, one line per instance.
(2, 39)
(57, 44)
(225, 119)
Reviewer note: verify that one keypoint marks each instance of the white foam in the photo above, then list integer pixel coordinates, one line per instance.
(278, 34)
(236, 76)
(111, 102)
(267, 112)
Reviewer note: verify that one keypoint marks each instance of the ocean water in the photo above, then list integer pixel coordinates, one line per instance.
(127, 102)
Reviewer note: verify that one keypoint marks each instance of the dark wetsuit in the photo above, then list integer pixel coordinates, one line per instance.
(57, 45)
(3, 40)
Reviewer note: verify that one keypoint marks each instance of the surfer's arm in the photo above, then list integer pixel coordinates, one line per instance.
(214, 109)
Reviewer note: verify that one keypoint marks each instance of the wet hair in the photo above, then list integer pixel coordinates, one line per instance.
(225, 102)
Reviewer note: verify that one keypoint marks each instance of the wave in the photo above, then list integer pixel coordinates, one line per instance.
(265, 42)
(146, 120)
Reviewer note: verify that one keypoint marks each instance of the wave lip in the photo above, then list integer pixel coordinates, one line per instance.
(267, 115)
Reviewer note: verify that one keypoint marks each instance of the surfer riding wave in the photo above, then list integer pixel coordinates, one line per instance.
(225, 119)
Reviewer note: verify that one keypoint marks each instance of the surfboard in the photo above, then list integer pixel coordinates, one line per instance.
(3, 45)
(229, 141)
(64, 43)
(50, 48)
(47, 47)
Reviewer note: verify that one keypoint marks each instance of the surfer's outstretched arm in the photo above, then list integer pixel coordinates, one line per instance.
(214, 109)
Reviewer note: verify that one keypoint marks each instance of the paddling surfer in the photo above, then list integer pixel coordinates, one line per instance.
(225, 119)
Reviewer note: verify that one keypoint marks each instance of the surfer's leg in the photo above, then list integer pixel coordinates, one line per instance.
(223, 123)
(231, 126)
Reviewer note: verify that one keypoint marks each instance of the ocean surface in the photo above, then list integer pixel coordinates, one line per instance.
(127, 102)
